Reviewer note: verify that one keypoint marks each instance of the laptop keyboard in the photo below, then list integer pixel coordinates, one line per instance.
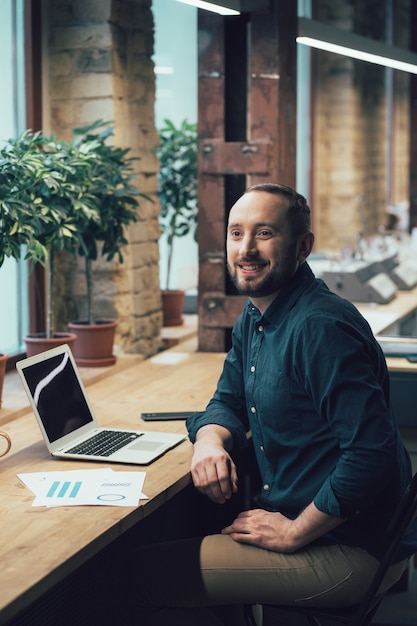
(104, 443)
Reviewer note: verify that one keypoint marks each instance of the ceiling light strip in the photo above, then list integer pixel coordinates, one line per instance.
(223, 7)
(317, 35)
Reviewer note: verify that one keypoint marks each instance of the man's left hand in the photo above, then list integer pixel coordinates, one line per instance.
(274, 531)
(264, 529)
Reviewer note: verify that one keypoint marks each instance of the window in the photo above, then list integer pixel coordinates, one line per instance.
(13, 276)
(176, 98)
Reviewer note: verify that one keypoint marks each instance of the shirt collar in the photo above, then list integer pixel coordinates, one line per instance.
(287, 297)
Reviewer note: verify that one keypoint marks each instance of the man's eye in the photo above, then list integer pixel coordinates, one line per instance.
(264, 233)
(235, 233)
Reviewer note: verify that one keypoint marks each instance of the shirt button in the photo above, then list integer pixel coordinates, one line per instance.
(261, 448)
(266, 487)
(253, 409)
(260, 328)
(252, 369)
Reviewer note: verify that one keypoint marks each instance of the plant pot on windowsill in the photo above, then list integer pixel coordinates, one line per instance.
(94, 344)
(173, 306)
(38, 342)
(3, 363)
(177, 190)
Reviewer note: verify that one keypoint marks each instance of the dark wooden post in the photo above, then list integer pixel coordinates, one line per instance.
(413, 120)
(247, 135)
(33, 82)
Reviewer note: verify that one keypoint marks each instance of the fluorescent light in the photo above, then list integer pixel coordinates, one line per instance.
(223, 7)
(324, 37)
(163, 69)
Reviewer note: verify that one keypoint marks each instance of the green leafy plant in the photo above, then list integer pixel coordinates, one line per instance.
(45, 201)
(116, 197)
(177, 184)
(56, 195)
(19, 172)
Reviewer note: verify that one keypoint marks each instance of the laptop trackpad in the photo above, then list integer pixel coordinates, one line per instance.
(147, 445)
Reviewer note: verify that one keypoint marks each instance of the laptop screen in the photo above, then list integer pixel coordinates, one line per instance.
(57, 395)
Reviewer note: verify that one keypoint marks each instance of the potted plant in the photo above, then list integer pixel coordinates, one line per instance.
(51, 196)
(16, 228)
(177, 187)
(10, 235)
(10, 245)
(117, 201)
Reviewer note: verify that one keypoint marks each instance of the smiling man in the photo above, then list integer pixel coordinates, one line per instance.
(267, 241)
(307, 378)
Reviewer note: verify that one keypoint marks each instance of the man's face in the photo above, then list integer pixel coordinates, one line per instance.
(262, 252)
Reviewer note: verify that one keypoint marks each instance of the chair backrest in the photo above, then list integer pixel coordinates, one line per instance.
(402, 518)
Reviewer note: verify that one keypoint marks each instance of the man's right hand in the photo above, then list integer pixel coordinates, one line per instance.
(212, 468)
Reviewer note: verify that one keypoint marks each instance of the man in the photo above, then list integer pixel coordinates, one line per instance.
(307, 378)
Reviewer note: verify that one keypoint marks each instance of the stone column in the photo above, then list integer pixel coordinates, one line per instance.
(97, 65)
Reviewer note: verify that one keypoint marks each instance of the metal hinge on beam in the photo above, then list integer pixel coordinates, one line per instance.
(219, 157)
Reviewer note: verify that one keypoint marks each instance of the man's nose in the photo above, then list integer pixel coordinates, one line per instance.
(247, 246)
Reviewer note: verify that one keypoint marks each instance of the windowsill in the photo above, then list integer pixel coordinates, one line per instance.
(173, 335)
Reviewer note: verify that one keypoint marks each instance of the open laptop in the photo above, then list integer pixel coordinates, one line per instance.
(65, 417)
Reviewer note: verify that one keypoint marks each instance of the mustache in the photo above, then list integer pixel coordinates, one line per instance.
(251, 259)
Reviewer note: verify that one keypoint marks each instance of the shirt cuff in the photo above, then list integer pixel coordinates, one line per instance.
(221, 418)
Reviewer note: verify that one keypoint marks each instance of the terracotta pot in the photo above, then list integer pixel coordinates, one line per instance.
(94, 344)
(39, 343)
(3, 363)
(173, 306)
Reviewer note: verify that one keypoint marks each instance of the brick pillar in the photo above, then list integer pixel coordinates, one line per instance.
(98, 66)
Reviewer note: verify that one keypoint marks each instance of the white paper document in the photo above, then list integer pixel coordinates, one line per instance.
(102, 487)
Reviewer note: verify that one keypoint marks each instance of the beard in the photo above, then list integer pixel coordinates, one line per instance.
(258, 287)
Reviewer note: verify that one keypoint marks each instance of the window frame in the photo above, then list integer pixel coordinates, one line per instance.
(33, 120)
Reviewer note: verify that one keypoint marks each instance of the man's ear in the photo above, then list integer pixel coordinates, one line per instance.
(306, 246)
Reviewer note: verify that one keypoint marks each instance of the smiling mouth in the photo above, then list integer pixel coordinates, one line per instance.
(251, 267)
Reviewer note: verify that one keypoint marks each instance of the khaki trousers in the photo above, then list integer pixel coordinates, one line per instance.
(204, 582)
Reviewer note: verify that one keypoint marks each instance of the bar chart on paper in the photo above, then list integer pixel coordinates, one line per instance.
(85, 487)
(60, 489)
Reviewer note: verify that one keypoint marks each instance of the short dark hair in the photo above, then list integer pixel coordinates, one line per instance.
(298, 211)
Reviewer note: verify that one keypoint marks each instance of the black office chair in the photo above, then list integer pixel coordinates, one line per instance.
(362, 614)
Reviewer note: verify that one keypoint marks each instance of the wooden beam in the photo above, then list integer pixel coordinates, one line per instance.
(247, 135)
(413, 121)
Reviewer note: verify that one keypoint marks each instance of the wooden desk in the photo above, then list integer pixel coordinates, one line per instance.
(382, 316)
(403, 373)
(39, 546)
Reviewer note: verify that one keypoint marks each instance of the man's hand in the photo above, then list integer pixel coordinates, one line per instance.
(271, 531)
(212, 468)
(274, 531)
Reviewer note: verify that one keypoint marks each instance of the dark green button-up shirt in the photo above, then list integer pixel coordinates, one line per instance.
(310, 382)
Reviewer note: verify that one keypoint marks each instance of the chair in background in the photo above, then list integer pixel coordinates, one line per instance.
(362, 614)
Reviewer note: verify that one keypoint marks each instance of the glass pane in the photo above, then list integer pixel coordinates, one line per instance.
(176, 99)
(13, 309)
(13, 275)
